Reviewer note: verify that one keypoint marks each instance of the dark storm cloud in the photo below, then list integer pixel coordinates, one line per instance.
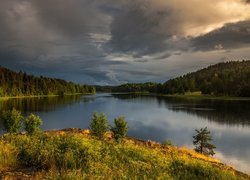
(72, 17)
(102, 41)
(56, 36)
(231, 36)
(133, 31)
(149, 27)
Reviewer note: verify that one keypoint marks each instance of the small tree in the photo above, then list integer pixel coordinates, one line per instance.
(202, 142)
(121, 128)
(167, 142)
(32, 124)
(12, 120)
(99, 124)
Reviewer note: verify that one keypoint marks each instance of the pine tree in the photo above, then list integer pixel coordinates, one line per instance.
(99, 124)
(202, 142)
(120, 129)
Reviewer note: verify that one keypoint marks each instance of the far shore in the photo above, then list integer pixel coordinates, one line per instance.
(191, 95)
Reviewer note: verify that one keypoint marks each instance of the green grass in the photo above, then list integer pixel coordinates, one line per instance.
(79, 155)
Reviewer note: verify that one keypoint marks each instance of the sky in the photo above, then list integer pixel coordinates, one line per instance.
(110, 42)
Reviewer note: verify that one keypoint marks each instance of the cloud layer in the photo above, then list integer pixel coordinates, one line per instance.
(114, 41)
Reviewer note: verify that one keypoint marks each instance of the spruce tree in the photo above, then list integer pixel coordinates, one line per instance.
(120, 129)
(99, 124)
(202, 142)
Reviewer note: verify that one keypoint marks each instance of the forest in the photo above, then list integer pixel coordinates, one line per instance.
(223, 79)
(21, 84)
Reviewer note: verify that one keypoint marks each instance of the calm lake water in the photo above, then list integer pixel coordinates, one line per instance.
(154, 118)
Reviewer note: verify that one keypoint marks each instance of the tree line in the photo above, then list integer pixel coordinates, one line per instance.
(21, 84)
(222, 79)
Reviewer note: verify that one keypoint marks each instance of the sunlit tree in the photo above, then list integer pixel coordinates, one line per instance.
(202, 142)
(120, 129)
(99, 124)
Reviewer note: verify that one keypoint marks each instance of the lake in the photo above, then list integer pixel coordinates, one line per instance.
(153, 118)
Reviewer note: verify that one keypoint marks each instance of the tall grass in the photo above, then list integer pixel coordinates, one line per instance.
(67, 155)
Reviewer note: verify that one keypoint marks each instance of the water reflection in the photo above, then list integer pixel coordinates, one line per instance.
(155, 118)
(231, 112)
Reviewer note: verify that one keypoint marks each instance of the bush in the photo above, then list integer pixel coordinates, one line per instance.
(121, 128)
(99, 124)
(167, 142)
(43, 151)
(32, 124)
(12, 120)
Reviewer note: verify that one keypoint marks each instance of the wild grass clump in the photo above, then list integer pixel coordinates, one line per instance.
(8, 156)
(42, 151)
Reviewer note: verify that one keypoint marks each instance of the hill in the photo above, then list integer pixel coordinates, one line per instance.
(76, 154)
(222, 79)
(21, 84)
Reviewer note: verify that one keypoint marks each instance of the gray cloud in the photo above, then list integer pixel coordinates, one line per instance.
(135, 32)
(149, 27)
(111, 41)
(231, 36)
(73, 17)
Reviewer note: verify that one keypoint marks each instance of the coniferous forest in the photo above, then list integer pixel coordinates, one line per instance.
(222, 79)
(21, 84)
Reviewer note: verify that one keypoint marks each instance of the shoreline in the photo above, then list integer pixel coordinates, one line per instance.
(188, 96)
(42, 96)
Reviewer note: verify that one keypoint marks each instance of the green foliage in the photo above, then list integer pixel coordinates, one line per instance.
(99, 124)
(167, 142)
(12, 120)
(32, 124)
(48, 152)
(202, 142)
(21, 84)
(120, 129)
(133, 87)
(223, 79)
(183, 170)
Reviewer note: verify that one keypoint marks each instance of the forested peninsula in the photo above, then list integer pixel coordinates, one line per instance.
(222, 79)
(13, 84)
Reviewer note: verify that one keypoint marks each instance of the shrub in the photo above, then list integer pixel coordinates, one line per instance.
(32, 124)
(99, 124)
(43, 151)
(121, 128)
(167, 142)
(12, 120)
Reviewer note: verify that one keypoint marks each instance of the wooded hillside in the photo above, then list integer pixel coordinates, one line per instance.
(21, 84)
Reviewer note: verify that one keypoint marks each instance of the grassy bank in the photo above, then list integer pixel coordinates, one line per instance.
(76, 154)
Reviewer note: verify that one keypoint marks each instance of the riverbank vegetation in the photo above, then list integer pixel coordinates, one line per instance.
(19, 84)
(77, 154)
(97, 154)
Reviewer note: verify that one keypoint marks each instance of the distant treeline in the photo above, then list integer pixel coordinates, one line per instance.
(222, 79)
(20, 84)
